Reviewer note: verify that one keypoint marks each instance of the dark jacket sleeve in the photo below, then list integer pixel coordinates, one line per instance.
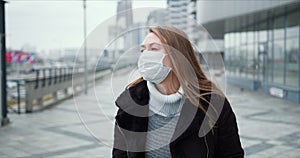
(119, 143)
(229, 145)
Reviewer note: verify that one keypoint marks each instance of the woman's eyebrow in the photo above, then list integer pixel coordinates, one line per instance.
(151, 44)
(154, 43)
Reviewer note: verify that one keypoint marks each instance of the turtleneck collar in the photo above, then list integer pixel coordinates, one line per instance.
(165, 105)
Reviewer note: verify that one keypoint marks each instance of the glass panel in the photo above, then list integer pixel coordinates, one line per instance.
(232, 38)
(293, 24)
(279, 27)
(236, 54)
(270, 62)
(278, 61)
(261, 54)
(243, 38)
(250, 34)
(270, 30)
(243, 61)
(255, 60)
(226, 40)
(250, 37)
(262, 33)
(236, 61)
(292, 67)
(227, 59)
(250, 61)
(228, 51)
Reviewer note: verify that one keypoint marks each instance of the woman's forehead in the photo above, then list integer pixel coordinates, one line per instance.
(151, 38)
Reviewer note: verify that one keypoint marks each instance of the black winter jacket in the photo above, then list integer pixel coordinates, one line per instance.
(132, 122)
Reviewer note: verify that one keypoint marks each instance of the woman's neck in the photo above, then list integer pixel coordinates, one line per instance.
(170, 85)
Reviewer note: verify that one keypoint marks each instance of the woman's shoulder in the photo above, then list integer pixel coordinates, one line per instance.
(134, 94)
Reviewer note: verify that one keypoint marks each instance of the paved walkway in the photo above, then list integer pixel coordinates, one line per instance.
(82, 127)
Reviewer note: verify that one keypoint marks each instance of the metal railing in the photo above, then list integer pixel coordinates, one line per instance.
(48, 82)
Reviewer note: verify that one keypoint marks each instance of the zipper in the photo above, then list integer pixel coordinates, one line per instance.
(207, 148)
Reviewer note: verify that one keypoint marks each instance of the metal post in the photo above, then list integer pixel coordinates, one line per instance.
(85, 56)
(19, 98)
(55, 76)
(4, 118)
(44, 77)
(37, 78)
(50, 76)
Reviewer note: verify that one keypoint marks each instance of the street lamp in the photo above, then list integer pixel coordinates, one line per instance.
(84, 49)
(3, 101)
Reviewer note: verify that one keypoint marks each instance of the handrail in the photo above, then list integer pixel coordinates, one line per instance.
(49, 83)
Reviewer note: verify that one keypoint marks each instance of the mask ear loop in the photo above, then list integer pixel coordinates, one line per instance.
(172, 75)
(162, 59)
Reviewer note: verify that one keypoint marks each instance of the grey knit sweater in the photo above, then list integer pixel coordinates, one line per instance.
(163, 116)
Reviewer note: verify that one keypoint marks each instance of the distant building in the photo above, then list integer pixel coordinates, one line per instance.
(124, 20)
(182, 14)
(157, 17)
(261, 43)
(178, 13)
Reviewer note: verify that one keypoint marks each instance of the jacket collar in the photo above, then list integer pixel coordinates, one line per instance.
(134, 100)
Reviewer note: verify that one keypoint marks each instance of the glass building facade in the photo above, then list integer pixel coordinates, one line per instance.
(262, 50)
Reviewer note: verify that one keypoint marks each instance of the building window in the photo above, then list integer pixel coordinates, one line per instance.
(278, 50)
(292, 49)
(278, 61)
(265, 49)
(292, 29)
(292, 67)
(279, 27)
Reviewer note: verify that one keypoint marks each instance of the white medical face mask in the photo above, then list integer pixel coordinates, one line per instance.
(150, 66)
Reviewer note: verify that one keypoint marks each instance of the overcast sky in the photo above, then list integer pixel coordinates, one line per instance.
(46, 25)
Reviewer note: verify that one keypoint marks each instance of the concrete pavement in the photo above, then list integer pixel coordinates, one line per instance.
(82, 127)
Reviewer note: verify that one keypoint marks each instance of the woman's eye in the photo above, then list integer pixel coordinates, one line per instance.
(154, 49)
(141, 50)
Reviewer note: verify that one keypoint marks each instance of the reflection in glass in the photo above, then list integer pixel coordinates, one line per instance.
(278, 61)
(261, 50)
(243, 61)
(292, 73)
(279, 27)
(270, 62)
(250, 62)
(292, 29)
(262, 32)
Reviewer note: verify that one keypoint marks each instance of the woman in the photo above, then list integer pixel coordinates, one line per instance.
(173, 110)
